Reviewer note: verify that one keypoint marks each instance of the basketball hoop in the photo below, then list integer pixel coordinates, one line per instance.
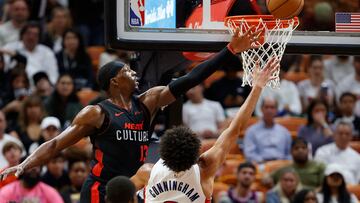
(272, 41)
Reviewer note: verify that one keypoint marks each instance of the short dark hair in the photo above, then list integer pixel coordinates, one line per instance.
(10, 145)
(246, 165)
(107, 72)
(179, 148)
(298, 140)
(301, 195)
(315, 58)
(120, 189)
(31, 24)
(347, 94)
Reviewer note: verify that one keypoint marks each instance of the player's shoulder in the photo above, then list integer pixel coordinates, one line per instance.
(90, 114)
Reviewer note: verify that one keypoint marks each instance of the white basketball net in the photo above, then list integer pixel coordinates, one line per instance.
(274, 45)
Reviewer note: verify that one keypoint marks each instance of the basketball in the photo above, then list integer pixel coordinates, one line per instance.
(284, 9)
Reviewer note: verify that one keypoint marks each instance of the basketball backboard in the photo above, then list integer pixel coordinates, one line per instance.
(180, 25)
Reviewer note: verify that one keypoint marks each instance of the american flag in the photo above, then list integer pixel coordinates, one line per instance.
(347, 22)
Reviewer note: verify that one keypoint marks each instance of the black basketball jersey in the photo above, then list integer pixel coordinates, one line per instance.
(121, 145)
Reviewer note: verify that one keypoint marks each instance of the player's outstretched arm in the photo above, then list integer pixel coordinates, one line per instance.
(141, 178)
(158, 97)
(211, 160)
(87, 121)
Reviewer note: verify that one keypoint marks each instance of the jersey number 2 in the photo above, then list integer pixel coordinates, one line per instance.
(143, 152)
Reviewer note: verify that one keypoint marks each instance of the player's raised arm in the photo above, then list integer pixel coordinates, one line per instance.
(161, 96)
(86, 122)
(211, 160)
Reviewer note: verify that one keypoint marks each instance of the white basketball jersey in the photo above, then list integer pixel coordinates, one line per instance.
(165, 185)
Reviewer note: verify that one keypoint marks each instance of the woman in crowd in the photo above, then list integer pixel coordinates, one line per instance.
(74, 60)
(31, 115)
(317, 131)
(63, 103)
(285, 190)
(334, 187)
(305, 196)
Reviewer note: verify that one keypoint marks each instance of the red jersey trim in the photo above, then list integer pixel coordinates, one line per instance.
(95, 196)
(99, 166)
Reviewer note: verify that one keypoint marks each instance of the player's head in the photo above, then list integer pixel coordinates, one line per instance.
(246, 174)
(120, 190)
(179, 148)
(117, 74)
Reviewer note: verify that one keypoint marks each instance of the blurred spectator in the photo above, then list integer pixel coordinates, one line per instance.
(39, 57)
(242, 191)
(120, 189)
(205, 117)
(91, 22)
(111, 55)
(334, 187)
(5, 138)
(317, 130)
(311, 173)
(17, 91)
(63, 102)
(339, 67)
(228, 90)
(346, 112)
(305, 196)
(285, 190)
(5, 74)
(74, 60)
(351, 83)
(78, 171)
(267, 140)
(31, 114)
(43, 87)
(341, 153)
(4, 78)
(287, 96)
(29, 188)
(317, 15)
(50, 128)
(317, 86)
(19, 13)
(56, 176)
(60, 21)
(12, 153)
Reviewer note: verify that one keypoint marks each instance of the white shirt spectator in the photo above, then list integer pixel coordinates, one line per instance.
(41, 58)
(336, 70)
(203, 116)
(349, 159)
(8, 33)
(286, 95)
(308, 91)
(350, 84)
(8, 138)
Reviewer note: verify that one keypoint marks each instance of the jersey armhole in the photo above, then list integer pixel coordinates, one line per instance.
(106, 123)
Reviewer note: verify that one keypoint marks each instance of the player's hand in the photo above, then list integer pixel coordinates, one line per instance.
(262, 77)
(249, 40)
(17, 170)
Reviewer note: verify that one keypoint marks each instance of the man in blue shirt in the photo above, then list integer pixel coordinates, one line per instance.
(267, 140)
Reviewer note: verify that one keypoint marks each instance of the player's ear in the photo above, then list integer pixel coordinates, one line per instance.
(114, 81)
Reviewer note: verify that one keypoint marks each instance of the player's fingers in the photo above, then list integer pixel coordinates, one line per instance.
(237, 30)
(18, 172)
(248, 32)
(257, 33)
